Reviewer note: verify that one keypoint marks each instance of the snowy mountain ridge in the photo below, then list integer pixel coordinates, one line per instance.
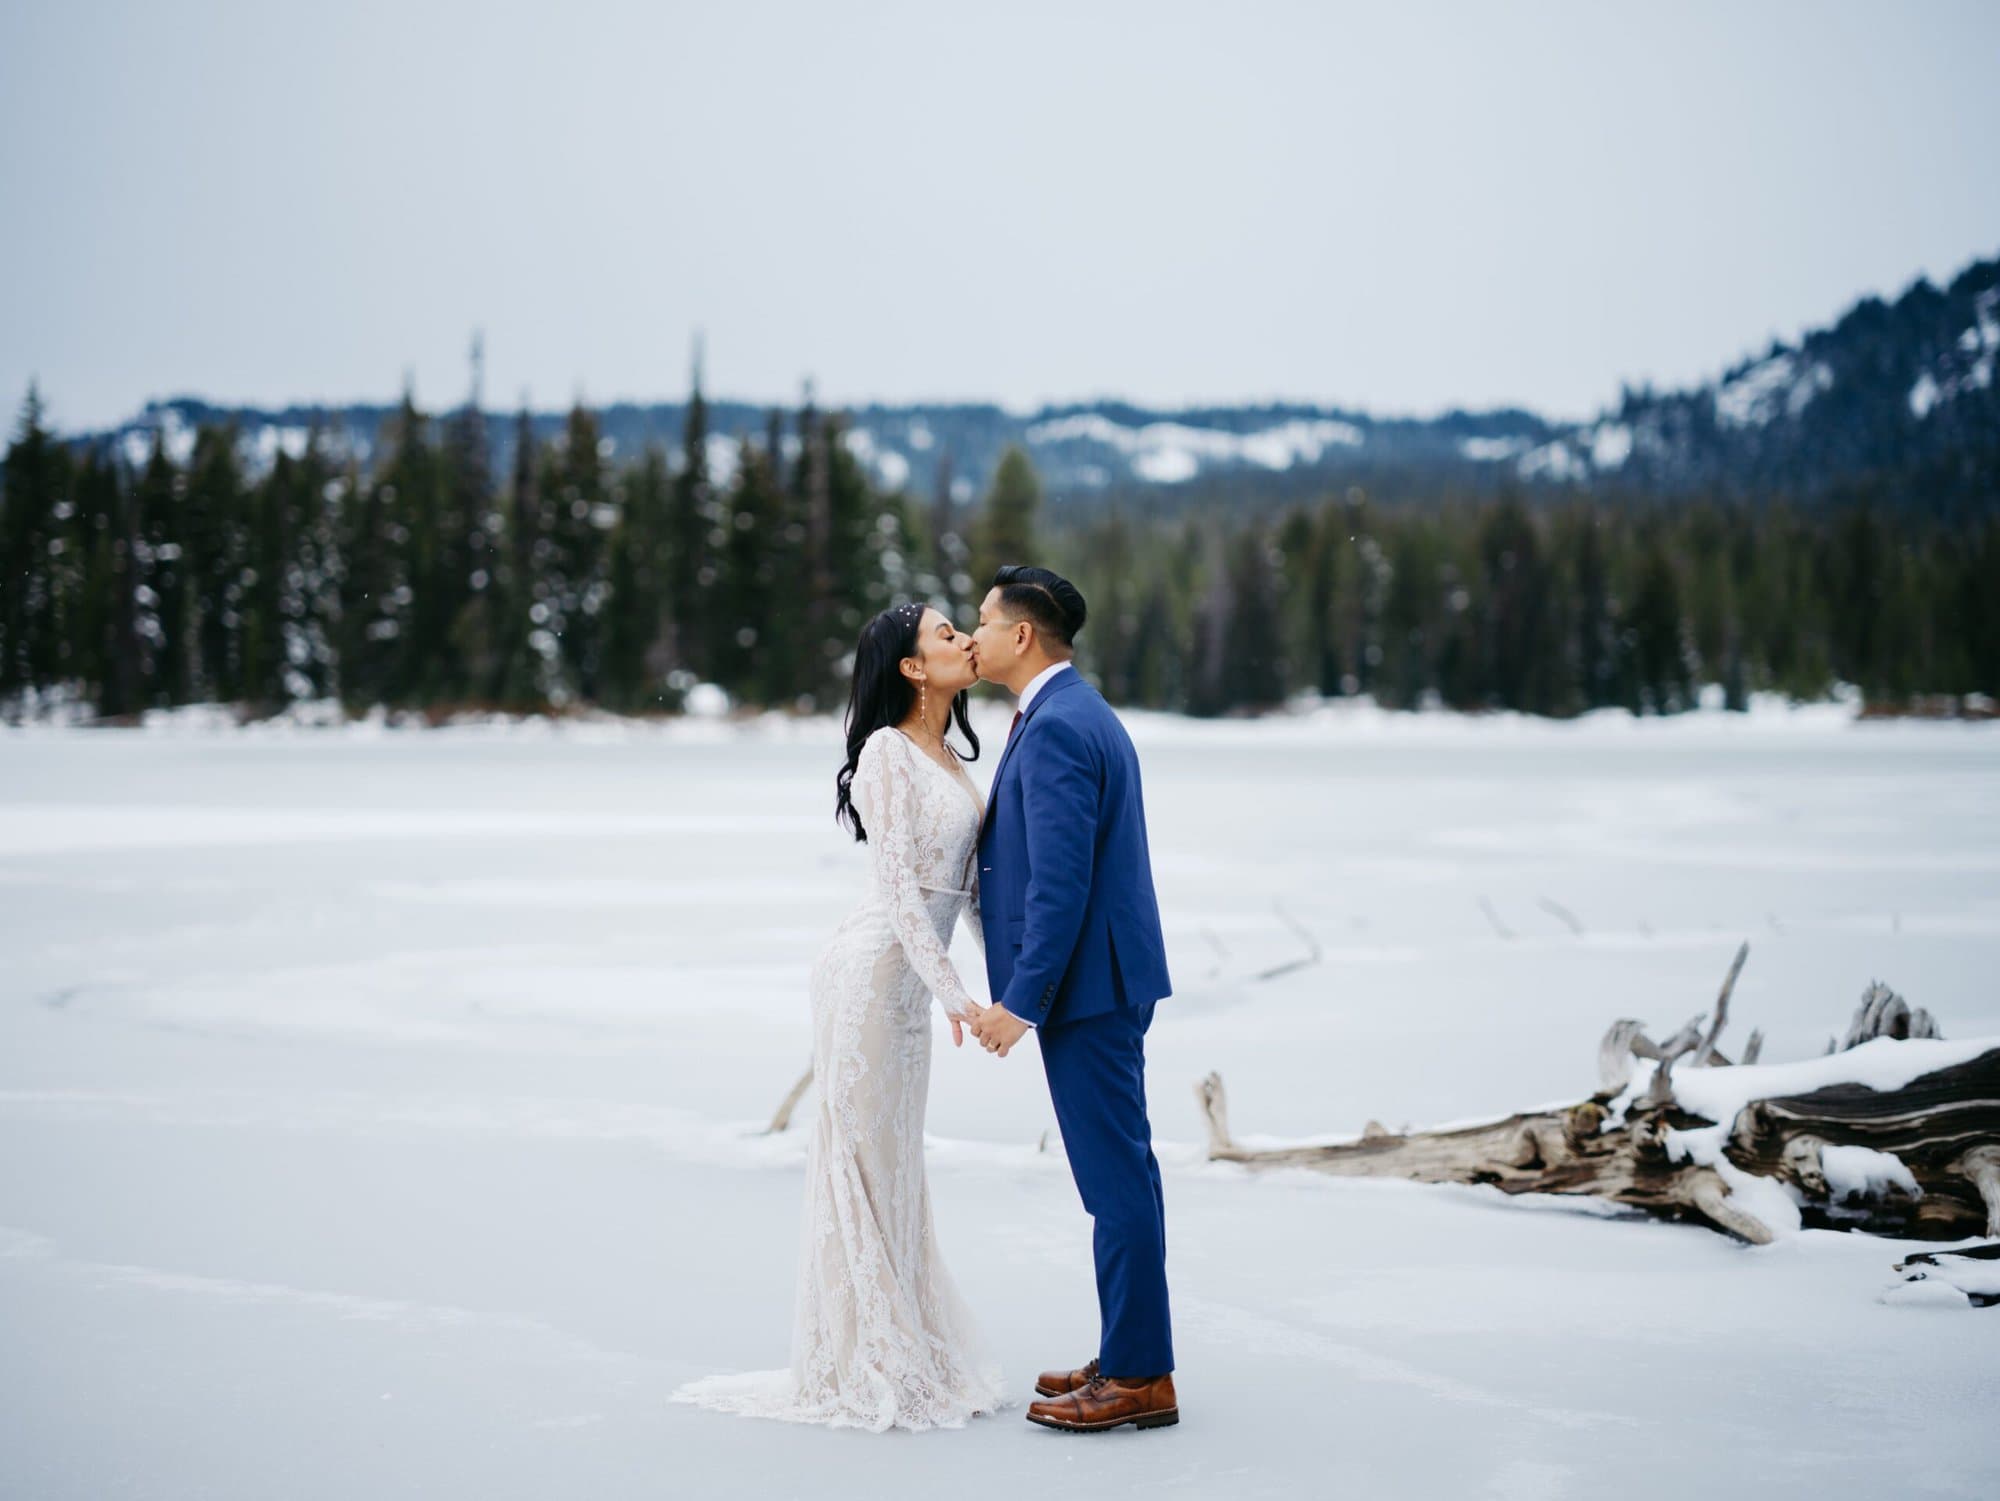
(1902, 392)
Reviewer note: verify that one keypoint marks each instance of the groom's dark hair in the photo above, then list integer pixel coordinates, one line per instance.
(1045, 599)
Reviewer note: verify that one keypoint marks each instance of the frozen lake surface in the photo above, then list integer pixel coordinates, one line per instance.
(378, 1112)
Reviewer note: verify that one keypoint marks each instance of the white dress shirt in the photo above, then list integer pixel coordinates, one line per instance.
(1027, 697)
(1035, 684)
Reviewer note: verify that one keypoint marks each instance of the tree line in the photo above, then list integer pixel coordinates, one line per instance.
(1550, 606)
(426, 581)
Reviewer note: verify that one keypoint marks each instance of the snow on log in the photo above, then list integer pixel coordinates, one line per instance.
(1973, 1273)
(1919, 1149)
(1895, 1133)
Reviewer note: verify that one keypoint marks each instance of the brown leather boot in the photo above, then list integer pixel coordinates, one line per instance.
(1104, 1402)
(1055, 1383)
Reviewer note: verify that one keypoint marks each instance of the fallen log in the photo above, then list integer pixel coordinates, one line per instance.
(1900, 1138)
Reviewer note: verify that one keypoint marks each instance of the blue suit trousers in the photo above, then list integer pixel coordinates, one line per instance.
(1097, 1081)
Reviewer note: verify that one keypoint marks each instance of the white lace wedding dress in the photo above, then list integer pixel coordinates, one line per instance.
(880, 1336)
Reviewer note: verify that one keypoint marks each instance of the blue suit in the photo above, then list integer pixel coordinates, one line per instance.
(1073, 944)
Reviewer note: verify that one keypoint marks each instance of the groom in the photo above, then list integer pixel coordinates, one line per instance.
(1073, 949)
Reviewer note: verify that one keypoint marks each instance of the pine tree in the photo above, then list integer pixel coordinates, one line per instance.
(376, 593)
(98, 624)
(1254, 666)
(274, 507)
(1153, 670)
(216, 533)
(123, 683)
(311, 599)
(465, 604)
(162, 589)
(861, 529)
(519, 665)
(649, 509)
(1303, 584)
(813, 501)
(691, 520)
(786, 664)
(1400, 674)
(622, 681)
(1592, 629)
(737, 598)
(580, 515)
(420, 602)
(1106, 648)
(1656, 636)
(1361, 588)
(34, 502)
(1524, 651)
(1208, 688)
(950, 555)
(1006, 526)
(632, 621)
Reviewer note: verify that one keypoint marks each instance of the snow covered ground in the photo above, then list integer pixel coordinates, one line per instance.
(377, 1111)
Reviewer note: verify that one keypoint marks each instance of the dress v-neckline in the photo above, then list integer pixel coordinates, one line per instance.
(978, 807)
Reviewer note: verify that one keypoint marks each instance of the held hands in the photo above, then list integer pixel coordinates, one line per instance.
(997, 1029)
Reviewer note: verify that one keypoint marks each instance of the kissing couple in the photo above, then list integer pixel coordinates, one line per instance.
(1056, 876)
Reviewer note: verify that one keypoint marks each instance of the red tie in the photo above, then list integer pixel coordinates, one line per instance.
(1015, 725)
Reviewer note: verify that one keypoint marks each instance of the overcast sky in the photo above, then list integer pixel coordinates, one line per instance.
(1399, 207)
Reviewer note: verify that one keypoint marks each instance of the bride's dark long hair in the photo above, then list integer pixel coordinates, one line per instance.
(880, 695)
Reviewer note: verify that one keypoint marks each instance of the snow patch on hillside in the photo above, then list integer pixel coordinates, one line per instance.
(1170, 453)
(174, 433)
(1556, 461)
(885, 466)
(1491, 450)
(1784, 385)
(1970, 365)
(1610, 445)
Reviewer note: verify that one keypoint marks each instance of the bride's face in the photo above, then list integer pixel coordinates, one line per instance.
(944, 655)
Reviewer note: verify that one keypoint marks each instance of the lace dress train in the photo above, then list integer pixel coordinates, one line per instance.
(881, 1337)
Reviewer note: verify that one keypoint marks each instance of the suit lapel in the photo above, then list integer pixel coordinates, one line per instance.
(1061, 682)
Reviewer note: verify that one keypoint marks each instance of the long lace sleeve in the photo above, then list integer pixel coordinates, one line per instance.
(885, 790)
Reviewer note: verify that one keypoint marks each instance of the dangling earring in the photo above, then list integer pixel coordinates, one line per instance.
(924, 702)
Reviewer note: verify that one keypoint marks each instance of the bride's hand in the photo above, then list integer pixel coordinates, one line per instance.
(959, 1023)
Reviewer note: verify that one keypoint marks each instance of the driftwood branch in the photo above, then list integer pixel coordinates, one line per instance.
(1883, 1013)
(1313, 951)
(790, 1103)
(1942, 1131)
(1706, 1053)
(1562, 914)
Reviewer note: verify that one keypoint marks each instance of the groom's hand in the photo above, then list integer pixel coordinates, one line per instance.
(998, 1029)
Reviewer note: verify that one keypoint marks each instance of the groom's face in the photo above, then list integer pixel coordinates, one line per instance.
(996, 643)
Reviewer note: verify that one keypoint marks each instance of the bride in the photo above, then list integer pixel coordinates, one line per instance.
(880, 1335)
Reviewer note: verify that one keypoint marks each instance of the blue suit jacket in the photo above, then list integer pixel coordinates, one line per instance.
(1066, 898)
